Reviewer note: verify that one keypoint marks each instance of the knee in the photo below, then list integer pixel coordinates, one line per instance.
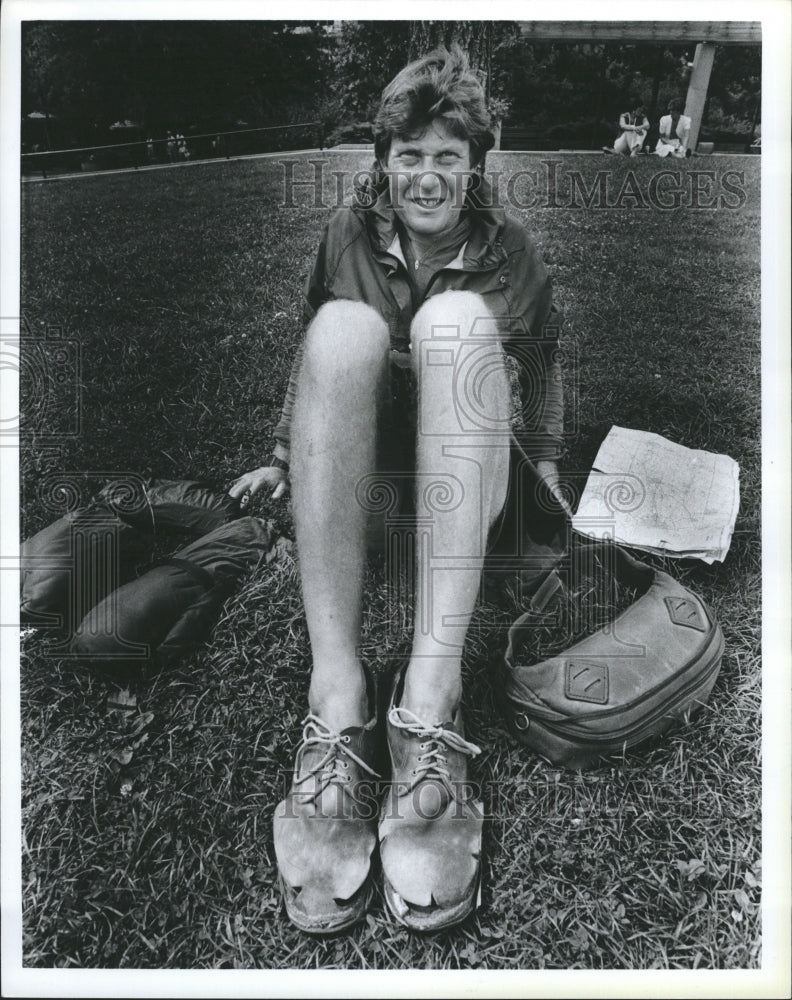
(456, 349)
(452, 317)
(345, 337)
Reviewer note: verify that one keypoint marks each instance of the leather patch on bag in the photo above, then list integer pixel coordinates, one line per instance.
(586, 681)
(683, 611)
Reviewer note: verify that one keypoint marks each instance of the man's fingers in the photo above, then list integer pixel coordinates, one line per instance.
(279, 490)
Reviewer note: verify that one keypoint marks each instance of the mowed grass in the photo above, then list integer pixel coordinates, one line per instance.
(147, 837)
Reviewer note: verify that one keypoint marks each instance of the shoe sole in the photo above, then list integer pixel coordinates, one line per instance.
(356, 915)
(430, 921)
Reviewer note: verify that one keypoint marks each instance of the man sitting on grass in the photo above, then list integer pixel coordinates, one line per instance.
(634, 126)
(416, 291)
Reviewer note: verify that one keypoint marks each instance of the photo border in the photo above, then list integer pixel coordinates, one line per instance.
(773, 978)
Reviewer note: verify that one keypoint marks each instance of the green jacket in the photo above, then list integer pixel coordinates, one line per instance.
(359, 258)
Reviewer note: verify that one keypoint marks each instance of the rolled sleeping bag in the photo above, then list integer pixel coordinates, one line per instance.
(72, 564)
(173, 607)
(170, 504)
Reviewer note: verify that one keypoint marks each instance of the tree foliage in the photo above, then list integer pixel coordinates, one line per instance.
(366, 56)
(216, 74)
(168, 74)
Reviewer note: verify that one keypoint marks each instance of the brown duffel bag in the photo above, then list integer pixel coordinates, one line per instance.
(652, 665)
(629, 679)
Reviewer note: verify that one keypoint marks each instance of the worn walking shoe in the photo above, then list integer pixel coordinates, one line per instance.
(325, 828)
(430, 823)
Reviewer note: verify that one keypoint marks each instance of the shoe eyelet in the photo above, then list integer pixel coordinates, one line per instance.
(423, 746)
(347, 739)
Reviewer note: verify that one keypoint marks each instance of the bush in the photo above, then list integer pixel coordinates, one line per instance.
(350, 132)
(584, 132)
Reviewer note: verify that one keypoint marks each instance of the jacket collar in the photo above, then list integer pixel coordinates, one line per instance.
(457, 264)
(483, 250)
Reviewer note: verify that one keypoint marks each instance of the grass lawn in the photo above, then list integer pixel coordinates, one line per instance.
(147, 837)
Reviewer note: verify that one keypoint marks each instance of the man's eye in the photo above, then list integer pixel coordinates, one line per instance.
(448, 157)
(408, 159)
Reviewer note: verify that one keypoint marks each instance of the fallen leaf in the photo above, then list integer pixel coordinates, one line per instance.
(142, 721)
(470, 954)
(691, 869)
(122, 701)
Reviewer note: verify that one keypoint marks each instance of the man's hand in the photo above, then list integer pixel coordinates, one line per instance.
(267, 476)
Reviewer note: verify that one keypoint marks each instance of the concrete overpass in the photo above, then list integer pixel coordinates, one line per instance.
(705, 34)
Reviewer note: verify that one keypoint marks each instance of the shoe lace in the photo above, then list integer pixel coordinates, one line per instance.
(436, 742)
(333, 767)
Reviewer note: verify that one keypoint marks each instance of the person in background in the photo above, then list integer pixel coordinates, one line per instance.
(674, 132)
(634, 125)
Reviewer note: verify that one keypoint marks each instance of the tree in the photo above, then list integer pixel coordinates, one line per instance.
(481, 40)
(171, 73)
(367, 55)
(370, 53)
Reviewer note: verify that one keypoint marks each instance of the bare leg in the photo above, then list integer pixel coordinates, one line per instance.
(333, 448)
(431, 824)
(462, 477)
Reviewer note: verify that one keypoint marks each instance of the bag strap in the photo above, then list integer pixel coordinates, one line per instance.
(546, 591)
(628, 568)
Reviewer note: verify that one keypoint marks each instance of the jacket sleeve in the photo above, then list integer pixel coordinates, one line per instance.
(534, 342)
(314, 295)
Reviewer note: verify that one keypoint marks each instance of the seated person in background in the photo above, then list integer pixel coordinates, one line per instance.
(674, 132)
(422, 280)
(634, 126)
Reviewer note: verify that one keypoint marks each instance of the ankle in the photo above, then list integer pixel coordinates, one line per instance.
(340, 700)
(432, 694)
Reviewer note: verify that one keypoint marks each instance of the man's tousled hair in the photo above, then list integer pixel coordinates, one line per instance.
(440, 85)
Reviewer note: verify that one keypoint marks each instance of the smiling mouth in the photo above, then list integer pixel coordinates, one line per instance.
(427, 202)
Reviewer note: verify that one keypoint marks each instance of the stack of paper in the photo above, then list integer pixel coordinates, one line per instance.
(651, 494)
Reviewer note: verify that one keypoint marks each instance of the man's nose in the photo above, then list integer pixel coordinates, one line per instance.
(430, 183)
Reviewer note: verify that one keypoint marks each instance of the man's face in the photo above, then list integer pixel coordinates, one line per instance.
(429, 175)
